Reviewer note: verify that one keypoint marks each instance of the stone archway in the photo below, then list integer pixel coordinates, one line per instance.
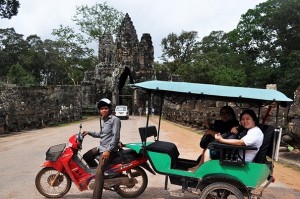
(125, 95)
(124, 60)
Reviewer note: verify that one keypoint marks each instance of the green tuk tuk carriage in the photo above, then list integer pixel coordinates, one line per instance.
(228, 177)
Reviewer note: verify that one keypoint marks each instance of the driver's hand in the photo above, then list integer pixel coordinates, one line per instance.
(84, 133)
(120, 145)
(105, 155)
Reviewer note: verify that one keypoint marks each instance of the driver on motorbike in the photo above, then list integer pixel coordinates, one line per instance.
(109, 136)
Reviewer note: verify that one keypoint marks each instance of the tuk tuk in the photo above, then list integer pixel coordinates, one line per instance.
(228, 177)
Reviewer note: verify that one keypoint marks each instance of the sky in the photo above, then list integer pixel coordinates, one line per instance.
(157, 17)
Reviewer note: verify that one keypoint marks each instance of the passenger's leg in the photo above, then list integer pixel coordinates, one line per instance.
(193, 169)
(206, 156)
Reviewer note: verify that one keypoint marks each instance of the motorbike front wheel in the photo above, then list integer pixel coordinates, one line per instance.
(140, 180)
(52, 184)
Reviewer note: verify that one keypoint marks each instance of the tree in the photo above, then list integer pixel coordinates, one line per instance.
(9, 8)
(268, 35)
(228, 76)
(12, 45)
(179, 49)
(72, 50)
(97, 20)
(288, 75)
(194, 72)
(214, 42)
(31, 59)
(19, 76)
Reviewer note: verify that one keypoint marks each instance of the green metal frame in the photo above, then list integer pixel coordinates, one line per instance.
(251, 175)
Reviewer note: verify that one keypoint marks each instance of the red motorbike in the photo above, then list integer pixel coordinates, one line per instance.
(125, 175)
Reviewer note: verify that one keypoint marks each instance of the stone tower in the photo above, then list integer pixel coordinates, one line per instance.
(123, 61)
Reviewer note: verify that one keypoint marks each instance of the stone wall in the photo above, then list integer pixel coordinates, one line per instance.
(197, 113)
(292, 135)
(37, 107)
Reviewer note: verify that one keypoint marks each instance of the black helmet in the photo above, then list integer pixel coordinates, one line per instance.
(104, 102)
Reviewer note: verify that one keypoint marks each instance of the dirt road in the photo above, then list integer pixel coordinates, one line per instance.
(22, 154)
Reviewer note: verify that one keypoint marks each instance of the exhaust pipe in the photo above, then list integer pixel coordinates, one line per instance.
(115, 181)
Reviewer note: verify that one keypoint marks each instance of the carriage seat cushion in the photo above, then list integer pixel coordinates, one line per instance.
(164, 147)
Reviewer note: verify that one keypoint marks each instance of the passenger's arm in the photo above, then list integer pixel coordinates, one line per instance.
(238, 142)
(210, 132)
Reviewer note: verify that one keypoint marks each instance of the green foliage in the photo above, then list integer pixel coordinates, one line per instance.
(179, 47)
(50, 62)
(263, 49)
(72, 49)
(19, 76)
(178, 50)
(229, 76)
(194, 72)
(11, 46)
(62, 61)
(288, 75)
(98, 19)
(9, 8)
(269, 35)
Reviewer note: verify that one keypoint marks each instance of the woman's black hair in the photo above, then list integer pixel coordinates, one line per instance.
(252, 115)
(231, 111)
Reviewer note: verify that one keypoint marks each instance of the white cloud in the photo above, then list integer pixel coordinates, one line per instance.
(157, 17)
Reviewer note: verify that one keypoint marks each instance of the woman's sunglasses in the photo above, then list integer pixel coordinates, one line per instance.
(225, 112)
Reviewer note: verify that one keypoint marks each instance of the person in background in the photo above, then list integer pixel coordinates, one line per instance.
(109, 135)
(140, 111)
(224, 126)
(152, 111)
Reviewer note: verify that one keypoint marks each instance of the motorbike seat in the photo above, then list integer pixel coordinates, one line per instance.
(125, 156)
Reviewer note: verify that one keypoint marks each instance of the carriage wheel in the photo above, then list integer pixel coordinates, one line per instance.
(221, 190)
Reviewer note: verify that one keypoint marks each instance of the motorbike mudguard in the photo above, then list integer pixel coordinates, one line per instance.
(56, 165)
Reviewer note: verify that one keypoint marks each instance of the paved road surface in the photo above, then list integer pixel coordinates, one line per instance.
(22, 154)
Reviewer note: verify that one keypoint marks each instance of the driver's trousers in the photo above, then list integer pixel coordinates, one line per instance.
(99, 178)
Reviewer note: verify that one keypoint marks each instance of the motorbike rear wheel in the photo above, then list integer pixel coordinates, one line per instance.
(141, 182)
(49, 188)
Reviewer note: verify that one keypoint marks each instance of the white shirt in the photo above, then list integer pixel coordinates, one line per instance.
(253, 138)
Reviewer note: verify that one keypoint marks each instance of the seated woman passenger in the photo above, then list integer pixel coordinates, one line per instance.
(223, 126)
(253, 137)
